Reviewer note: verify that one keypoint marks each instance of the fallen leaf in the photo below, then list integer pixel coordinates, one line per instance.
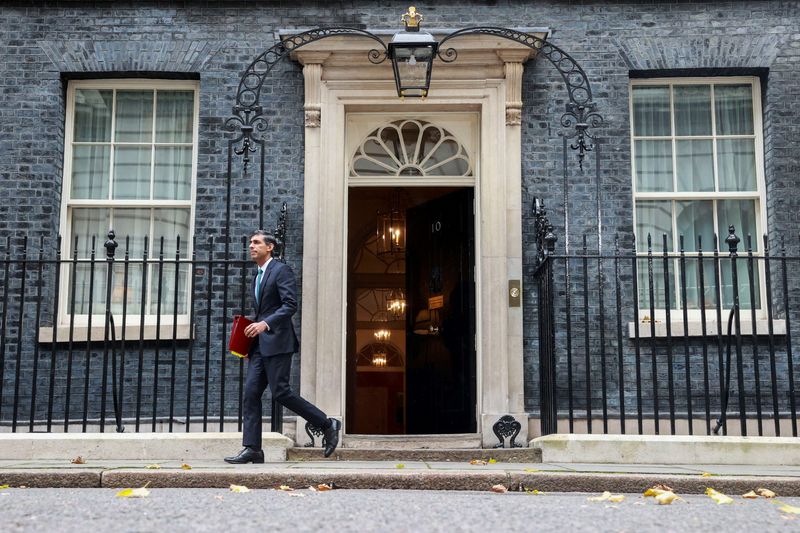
(239, 488)
(492, 461)
(286, 488)
(400, 465)
(603, 497)
(153, 467)
(534, 492)
(787, 508)
(706, 474)
(312, 488)
(652, 492)
(661, 486)
(322, 487)
(499, 489)
(718, 496)
(78, 461)
(4, 487)
(750, 495)
(186, 467)
(477, 462)
(141, 492)
(616, 498)
(666, 497)
(531, 470)
(766, 493)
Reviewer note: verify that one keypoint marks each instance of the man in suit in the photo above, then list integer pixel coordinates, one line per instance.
(270, 359)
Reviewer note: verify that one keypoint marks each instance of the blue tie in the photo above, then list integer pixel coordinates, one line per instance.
(258, 283)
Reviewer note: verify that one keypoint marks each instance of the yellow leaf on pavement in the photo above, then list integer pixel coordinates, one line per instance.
(531, 470)
(492, 461)
(400, 466)
(186, 467)
(603, 497)
(4, 487)
(153, 467)
(750, 495)
(666, 497)
(766, 493)
(653, 492)
(534, 492)
(500, 489)
(718, 496)
(239, 488)
(616, 498)
(286, 488)
(322, 487)
(141, 492)
(791, 509)
(477, 462)
(706, 474)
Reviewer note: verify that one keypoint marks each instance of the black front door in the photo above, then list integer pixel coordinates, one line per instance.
(440, 368)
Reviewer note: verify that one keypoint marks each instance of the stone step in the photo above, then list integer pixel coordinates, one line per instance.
(501, 455)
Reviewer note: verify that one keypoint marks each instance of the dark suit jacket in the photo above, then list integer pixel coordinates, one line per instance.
(278, 302)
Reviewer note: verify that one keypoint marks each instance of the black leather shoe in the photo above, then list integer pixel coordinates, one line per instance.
(331, 437)
(247, 455)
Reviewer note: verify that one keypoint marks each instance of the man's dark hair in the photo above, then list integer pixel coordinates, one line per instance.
(269, 238)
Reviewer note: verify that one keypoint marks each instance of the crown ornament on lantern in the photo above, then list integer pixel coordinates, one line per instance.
(411, 19)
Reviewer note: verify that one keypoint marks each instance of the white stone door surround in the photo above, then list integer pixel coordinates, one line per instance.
(485, 80)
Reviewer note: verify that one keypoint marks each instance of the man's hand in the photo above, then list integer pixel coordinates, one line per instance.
(256, 328)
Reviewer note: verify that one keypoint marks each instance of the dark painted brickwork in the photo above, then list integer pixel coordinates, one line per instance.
(44, 43)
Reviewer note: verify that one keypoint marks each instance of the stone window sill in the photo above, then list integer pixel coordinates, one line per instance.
(132, 333)
(695, 328)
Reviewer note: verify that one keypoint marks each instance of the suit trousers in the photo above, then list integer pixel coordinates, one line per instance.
(274, 371)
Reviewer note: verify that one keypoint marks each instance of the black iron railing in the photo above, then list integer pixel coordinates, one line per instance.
(633, 341)
(127, 341)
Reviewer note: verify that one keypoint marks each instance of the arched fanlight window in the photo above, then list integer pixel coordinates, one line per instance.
(411, 148)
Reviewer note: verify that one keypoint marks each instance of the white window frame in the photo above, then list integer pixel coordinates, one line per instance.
(80, 322)
(759, 196)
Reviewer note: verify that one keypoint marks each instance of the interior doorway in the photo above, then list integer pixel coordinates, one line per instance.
(411, 363)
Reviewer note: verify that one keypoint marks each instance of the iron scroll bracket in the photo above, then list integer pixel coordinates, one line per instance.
(580, 111)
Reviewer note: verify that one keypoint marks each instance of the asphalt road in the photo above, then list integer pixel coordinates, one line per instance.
(219, 510)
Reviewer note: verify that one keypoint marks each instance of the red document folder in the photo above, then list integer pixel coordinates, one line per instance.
(239, 344)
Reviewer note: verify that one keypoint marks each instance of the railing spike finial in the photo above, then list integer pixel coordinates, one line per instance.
(732, 240)
(111, 244)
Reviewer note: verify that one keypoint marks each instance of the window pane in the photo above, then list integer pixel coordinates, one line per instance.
(745, 302)
(736, 160)
(695, 165)
(742, 215)
(692, 110)
(693, 286)
(132, 173)
(651, 111)
(170, 223)
(134, 120)
(173, 173)
(165, 276)
(734, 105)
(135, 225)
(653, 166)
(654, 275)
(86, 224)
(655, 219)
(133, 294)
(89, 282)
(174, 113)
(695, 218)
(90, 168)
(92, 115)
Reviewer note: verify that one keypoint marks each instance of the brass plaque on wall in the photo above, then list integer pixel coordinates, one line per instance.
(514, 293)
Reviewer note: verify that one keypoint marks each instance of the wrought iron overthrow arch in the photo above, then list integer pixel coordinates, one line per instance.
(248, 115)
(581, 110)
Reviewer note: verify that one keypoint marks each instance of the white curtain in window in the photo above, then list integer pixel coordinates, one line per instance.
(692, 109)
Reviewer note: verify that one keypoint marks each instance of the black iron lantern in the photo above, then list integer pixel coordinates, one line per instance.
(412, 52)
